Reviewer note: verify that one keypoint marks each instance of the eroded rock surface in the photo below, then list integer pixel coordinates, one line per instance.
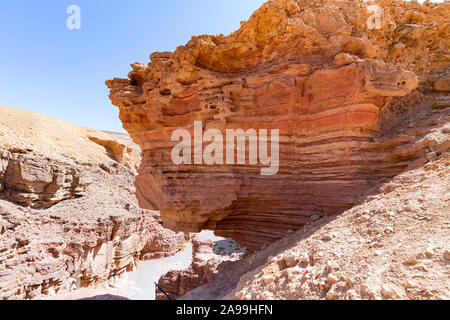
(315, 70)
(38, 182)
(205, 263)
(393, 246)
(69, 218)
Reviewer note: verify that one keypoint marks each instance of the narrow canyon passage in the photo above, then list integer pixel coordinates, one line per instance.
(140, 283)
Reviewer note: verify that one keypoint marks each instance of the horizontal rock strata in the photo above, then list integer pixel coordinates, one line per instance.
(310, 69)
(38, 182)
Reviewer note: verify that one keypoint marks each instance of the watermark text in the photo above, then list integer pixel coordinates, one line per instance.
(231, 150)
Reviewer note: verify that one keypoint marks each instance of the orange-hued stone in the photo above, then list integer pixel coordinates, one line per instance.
(306, 68)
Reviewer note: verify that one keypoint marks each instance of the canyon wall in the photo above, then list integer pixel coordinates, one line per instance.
(329, 79)
(69, 217)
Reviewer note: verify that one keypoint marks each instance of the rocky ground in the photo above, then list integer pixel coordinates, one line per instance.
(395, 245)
(68, 214)
(208, 253)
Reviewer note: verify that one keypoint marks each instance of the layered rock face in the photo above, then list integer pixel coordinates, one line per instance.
(39, 182)
(69, 218)
(315, 71)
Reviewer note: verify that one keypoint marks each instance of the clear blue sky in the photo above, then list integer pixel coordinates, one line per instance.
(50, 69)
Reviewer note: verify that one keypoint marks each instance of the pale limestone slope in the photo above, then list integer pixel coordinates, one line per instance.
(55, 138)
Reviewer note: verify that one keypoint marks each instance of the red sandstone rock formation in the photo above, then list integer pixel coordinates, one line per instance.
(311, 69)
(68, 214)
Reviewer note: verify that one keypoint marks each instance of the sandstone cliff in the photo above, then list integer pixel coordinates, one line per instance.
(332, 84)
(68, 214)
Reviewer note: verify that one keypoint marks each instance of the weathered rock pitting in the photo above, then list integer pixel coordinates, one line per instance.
(311, 69)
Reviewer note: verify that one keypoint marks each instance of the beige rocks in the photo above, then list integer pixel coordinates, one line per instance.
(65, 221)
(391, 291)
(447, 255)
(39, 183)
(125, 153)
(291, 260)
(332, 279)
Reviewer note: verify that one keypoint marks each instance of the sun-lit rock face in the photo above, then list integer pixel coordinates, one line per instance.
(310, 69)
(69, 218)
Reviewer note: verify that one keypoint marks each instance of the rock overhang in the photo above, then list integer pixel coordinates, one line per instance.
(322, 89)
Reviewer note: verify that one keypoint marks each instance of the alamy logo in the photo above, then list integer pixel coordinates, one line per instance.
(74, 20)
(232, 150)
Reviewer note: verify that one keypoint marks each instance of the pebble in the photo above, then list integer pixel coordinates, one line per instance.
(349, 281)
(411, 261)
(447, 255)
(332, 279)
(390, 291)
(291, 260)
(304, 259)
(410, 284)
(267, 280)
(330, 296)
(293, 273)
(331, 267)
(368, 290)
(421, 256)
(429, 252)
(351, 295)
(389, 229)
